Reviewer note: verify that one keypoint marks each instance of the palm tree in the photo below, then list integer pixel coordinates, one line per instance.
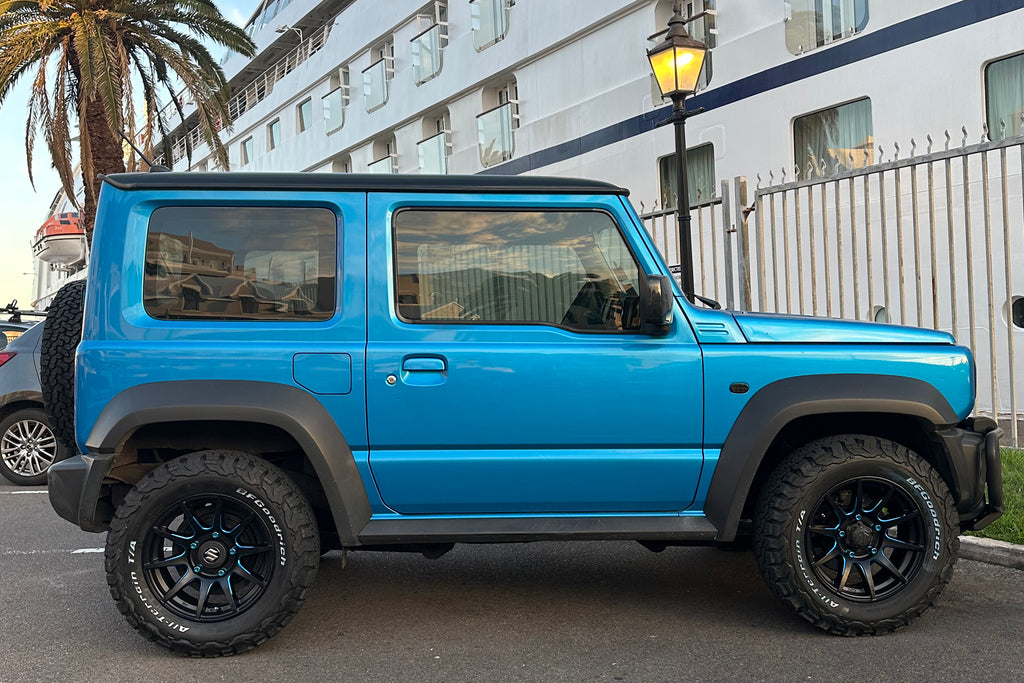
(90, 57)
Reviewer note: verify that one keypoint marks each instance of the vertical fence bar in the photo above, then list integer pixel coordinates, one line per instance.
(730, 301)
(775, 254)
(1009, 293)
(799, 251)
(785, 250)
(824, 248)
(853, 248)
(714, 252)
(899, 247)
(740, 184)
(837, 191)
(814, 257)
(761, 268)
(867, 244)
(931, 233)
(952, 245)
(989, 278)
(700, 247)
(966, 159)
(917, 246)
(883, 219)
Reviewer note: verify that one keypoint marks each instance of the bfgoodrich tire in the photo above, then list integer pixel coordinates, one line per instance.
(857, 534)
(212, 553)
(61, 333)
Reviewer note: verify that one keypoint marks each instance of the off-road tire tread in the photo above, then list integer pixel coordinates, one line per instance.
(273, 485)
(780, 496)
(61, 333)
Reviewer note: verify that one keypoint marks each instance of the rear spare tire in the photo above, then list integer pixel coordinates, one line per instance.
(61, 333)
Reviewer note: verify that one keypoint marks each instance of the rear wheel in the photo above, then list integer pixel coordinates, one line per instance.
(857, 534)
(28, 447)
(212, 553)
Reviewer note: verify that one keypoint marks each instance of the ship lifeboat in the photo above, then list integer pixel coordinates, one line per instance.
(60, 241)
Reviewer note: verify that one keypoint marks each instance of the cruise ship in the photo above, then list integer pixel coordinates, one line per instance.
(793, 91)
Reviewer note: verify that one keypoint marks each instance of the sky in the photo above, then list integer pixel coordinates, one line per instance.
(24, 207)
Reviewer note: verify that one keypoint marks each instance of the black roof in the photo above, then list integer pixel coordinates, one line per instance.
(519, 184)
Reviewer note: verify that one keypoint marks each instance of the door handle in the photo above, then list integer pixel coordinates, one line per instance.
(423, 365)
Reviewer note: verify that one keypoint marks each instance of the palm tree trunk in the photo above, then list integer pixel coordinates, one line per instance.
(107, 157)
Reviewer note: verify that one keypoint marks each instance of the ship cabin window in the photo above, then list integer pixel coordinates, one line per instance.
(701, 24)
(496, 125)
(335, 102)
(431, 39)
(385, 156)
(1004, 96)
(377, 76)
(274, 134)
(834, 140)
(490, 21)
(434, 148)
(303, 115)
(245, 152)
(811, 24)
(700, 176)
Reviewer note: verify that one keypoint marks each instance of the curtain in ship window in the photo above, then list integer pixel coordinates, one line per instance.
(1004, 95)
(813, 23)
(840, 138)
(700, 176)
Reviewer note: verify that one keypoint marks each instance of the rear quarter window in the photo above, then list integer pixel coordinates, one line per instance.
(241, 263)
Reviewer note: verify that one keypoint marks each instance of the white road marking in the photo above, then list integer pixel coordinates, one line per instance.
(15, 493)
(59, 551)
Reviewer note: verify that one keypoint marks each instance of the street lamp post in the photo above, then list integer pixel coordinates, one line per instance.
(677, 62)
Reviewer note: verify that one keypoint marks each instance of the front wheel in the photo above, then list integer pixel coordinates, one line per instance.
(212, 553)
(856, 533)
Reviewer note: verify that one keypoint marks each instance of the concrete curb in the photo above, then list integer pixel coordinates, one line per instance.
(992, 552)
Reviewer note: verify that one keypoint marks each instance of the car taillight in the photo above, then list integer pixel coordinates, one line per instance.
(6, 356)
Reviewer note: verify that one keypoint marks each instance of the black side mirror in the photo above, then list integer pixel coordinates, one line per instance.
(657, 302)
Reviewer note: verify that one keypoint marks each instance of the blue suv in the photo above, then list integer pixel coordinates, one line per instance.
(275, 365)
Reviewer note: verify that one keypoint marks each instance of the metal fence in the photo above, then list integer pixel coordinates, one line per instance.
(931, 240)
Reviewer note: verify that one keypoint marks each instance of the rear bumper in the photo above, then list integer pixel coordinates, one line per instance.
(973, 447)
(75, 486)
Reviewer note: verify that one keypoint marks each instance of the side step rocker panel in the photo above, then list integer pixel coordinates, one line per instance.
(517, 529)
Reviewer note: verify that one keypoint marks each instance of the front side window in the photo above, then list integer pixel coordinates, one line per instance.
(570, 269)
(240, 263)
(834, 140)
(700, 176)
(1004, 96)
(811, 24)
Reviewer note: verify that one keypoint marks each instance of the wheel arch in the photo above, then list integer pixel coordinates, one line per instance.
(791, 412)
(233, 413)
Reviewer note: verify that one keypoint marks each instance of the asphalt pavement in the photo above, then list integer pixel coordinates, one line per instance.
(530, 612)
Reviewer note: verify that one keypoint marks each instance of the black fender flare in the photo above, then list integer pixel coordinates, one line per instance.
(292, 409)
(777, 404)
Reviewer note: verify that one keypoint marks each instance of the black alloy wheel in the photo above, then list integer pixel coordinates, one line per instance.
(857, 534)
(208, 558)
(866, 539)
(212, 553)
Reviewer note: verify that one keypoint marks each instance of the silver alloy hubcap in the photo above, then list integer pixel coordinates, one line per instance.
(28, 448)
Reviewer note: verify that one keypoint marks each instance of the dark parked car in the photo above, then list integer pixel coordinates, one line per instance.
(27, 444)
